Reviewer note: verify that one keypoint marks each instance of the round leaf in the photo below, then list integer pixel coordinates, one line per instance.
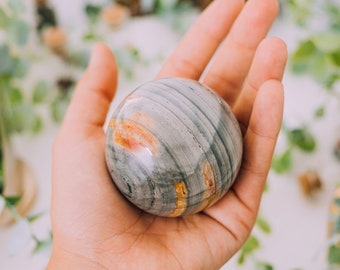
(18, 31)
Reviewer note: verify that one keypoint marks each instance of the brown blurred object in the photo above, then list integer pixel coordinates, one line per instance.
(310, 182)
(202, 4)
(54, 38)
(19, 181)
(114, 14)
(41, 2)
(134, 6)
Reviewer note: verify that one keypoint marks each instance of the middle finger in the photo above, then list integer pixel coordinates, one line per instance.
(235, 55)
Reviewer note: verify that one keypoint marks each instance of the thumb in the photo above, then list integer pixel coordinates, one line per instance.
(93, 93)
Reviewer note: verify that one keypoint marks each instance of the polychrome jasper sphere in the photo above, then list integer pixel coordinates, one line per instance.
(173, 147)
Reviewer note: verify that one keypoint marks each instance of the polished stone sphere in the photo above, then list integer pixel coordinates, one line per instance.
(173, 147)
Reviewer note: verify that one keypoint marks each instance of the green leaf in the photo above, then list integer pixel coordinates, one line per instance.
(35, 217)
(249, 247)
(263, 266)
(302, 138)
(18, 31)
(58, 109)
(42, 246)
(305, 50)
(319, 112)
(37, 125)
(335, 56)
(15, 95)
(40, 92)
(16, 5)
(303, 56)
(263, 224)
(20, 68)
(327, 42)
(334, 254)
(23, 117)
(79, 58)
(12, 200)
(282, 163)
(4, 19)
(6, 63)
(337, 201)
(92, 12)
(322, 69)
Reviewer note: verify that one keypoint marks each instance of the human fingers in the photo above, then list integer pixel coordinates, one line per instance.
(234, 57)
(237, 210)
(268, 64)
(200, 43)
(93, 93)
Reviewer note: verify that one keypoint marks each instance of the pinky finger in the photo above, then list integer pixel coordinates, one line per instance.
(259, 142)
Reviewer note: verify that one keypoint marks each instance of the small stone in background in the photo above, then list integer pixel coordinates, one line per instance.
(54, 38)
(310, 182)
(114, 14)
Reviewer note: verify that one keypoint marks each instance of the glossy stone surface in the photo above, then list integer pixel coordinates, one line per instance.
(173, 147)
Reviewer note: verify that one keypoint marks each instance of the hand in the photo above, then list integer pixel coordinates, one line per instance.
(94, 227)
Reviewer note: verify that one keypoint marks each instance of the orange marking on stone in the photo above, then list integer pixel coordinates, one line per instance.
(133, 137)
(181, 202)
(209, 178)
(210, 194)
(142, 118)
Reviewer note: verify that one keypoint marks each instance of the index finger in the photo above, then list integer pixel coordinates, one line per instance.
(200, 43)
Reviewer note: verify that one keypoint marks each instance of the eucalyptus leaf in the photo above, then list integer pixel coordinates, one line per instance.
(301, 10)
(15, 95)
(249, 247)
(58, 109)
(7, 62)
(37, 125)
(12, 200)
(18, 31)
(34, 217)
(263, 224)
(23, 117)
(302, 138)
(92, 12)
(282, 163)
(322, 68)
(16, 5)
(327, 42)
(319, 112)
(335, 56)
(334, 254)
(4, 19)
(41, 246)
(40, 92)
(305, 50)
(20, 68)
(263, 266)
(337, 202)
(79, 58)
(303, 56)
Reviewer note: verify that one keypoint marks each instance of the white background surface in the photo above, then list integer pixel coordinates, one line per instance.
(299, 224)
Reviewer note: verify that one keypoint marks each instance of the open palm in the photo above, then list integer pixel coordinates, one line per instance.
(94, 227)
